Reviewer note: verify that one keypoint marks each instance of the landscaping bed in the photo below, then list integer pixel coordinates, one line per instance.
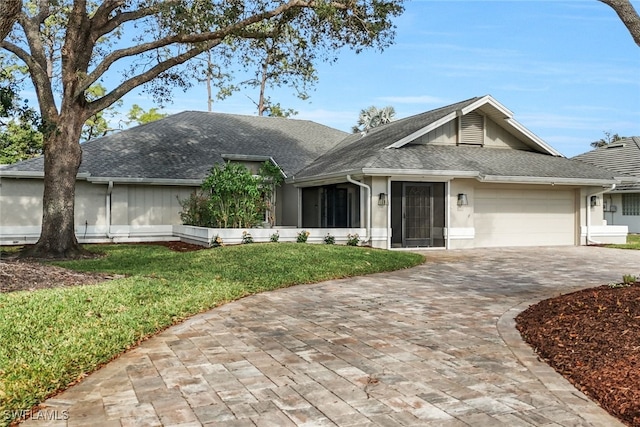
(592, 337)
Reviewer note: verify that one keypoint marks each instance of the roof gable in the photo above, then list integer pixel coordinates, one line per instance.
(490, 108)
(396, 149)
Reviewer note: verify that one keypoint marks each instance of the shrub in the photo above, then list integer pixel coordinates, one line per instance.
(329, 239)
(353, 239)
(195, 210)
(232, 196)
(216, 242)
(246, 238)
(275, 237)
(629, 279)
(303, 236)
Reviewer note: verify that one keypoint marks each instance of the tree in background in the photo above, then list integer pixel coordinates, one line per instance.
(628, 15)
(20, 136)
(283, 59)
(608, 139)
(373, 117)
(139, 116)
(97, 125)
(70, 46)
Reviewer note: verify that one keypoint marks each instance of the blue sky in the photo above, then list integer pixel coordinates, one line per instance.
(568, 70)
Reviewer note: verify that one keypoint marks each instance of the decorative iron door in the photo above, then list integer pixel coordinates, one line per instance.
(417, 214)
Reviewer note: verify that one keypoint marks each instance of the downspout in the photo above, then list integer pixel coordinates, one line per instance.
(107, 208)
(588, 205)
(448, 208)
(368, 189)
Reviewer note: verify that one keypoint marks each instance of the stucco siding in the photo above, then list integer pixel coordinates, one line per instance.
(20, 202)
(613, 201)
(151, 205)
(90, 204)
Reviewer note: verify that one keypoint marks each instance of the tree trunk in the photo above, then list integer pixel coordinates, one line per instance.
(62, 157)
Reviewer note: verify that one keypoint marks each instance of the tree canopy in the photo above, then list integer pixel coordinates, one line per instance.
(608, 139)
(69, 46)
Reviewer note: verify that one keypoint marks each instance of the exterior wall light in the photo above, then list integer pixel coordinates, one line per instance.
(462, 199)
(595, 201)
(382, 199)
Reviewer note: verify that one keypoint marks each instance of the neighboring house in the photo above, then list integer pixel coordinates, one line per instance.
(621, 206)
(465, 175)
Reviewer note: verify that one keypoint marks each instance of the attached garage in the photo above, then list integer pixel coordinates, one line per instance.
(511, 217)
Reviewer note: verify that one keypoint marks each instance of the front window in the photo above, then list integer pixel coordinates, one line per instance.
(631, 204)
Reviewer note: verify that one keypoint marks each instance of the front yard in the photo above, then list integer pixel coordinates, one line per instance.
(51, 338)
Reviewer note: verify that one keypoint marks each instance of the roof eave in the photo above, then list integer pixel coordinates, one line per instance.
(149, 181)
(34, 174)
(500, 179)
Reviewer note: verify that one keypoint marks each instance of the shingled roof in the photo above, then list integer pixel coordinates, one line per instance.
(621, 157)
(185, 146)
(379, 152)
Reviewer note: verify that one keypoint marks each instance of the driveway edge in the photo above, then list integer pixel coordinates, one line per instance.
(558, 385)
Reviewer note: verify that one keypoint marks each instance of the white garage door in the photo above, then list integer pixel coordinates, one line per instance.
(524, 218)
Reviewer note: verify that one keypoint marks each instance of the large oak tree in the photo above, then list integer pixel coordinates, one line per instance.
(128, 44)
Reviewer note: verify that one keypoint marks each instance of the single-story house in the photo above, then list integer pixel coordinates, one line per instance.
(621, 206)
(461, 176)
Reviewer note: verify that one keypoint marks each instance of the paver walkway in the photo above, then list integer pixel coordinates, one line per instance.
(429, 346)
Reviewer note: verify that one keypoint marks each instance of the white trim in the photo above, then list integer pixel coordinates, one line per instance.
(487, 99)
(150, 181)
(425, 130)
(545, 180)
(461, 233)
(605, 233)
(533, 137)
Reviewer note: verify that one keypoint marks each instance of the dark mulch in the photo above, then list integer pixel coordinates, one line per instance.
(592, 337)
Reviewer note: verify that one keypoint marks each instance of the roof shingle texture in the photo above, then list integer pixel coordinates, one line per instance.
(621, 157)
(358, 152)
(188, 144)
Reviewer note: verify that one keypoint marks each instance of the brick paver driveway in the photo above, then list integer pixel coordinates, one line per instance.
(428, 346)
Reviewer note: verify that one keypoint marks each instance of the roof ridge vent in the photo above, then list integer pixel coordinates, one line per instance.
(616, 145)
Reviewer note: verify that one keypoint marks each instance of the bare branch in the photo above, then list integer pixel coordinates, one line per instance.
(628, 15)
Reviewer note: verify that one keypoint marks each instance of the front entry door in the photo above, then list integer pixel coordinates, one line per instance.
(417, 214)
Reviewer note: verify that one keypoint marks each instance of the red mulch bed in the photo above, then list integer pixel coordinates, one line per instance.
(592, 337)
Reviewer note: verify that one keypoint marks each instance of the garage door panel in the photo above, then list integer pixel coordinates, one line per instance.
(524, 218)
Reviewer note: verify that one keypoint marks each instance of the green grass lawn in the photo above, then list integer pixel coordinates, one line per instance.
(52, 337)
(633, 242)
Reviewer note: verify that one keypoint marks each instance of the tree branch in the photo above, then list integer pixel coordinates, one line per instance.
(9, 11)
(147, 76)
(238, 27)
(628, 15)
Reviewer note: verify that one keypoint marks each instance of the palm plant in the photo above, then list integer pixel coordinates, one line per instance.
(372, 117)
